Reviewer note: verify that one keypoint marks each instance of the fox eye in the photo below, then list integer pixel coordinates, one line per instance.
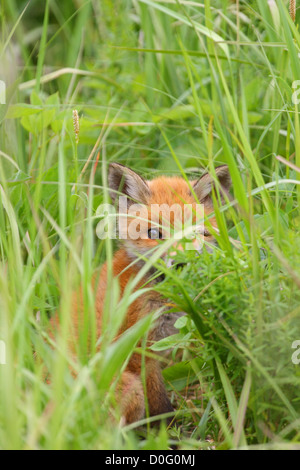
(154, 234)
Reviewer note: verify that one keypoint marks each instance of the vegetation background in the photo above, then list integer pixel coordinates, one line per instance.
(163, 86)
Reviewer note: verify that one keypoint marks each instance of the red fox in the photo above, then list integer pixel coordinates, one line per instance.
(127, 262)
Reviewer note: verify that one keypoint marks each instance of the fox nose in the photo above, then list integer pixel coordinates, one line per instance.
(170, 259)
(180, 265)
(171, 262)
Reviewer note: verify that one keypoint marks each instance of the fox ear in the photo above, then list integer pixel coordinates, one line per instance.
(127, 182)
(203, 187)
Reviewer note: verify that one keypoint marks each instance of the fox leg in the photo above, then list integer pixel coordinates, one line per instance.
(132, 397)
(157, 397)
(131, 393)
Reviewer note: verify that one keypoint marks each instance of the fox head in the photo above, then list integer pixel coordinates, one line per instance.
(158, 208)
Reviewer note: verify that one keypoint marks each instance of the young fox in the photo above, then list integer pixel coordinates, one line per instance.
(174, 192)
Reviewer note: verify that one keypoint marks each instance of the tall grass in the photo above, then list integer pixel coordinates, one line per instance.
(164, 87)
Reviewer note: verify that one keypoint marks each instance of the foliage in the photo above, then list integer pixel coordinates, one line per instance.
(164, 87)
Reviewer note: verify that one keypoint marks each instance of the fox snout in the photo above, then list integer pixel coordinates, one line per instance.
(171, 262)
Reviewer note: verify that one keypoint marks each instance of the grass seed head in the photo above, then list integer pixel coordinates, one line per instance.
(76, 125)
(292, 9)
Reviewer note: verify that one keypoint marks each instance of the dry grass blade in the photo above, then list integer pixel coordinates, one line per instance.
(287, 163)
(54, 75)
